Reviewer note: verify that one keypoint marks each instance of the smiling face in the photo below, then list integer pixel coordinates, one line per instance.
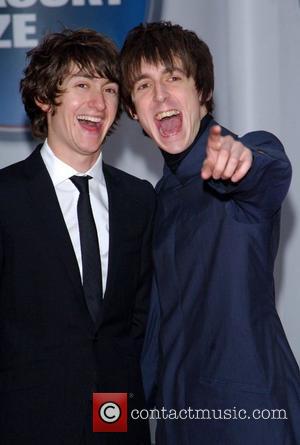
(168, 106)
(87, 109)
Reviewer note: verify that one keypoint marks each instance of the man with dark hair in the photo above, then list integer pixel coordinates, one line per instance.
(75, 257)
(214, 346)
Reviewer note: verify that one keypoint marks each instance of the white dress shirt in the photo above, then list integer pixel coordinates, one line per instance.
(68, 194)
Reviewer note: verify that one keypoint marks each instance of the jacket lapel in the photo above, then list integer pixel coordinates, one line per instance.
(47, 210)
(115, 204)
(121, 224)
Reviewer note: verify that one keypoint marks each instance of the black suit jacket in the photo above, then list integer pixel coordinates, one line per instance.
(52, 356)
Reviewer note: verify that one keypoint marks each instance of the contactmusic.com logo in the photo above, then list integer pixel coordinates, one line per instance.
(110, 412)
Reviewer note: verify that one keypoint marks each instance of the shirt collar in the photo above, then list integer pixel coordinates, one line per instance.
(59, 171)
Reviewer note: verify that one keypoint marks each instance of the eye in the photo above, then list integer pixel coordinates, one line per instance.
(112, 90)
(82, 85)
(174, 78)
(142, 86)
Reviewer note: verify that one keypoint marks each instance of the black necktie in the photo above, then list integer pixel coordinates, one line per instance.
(91, 263)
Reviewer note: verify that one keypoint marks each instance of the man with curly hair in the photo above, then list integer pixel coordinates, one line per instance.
(75, 260)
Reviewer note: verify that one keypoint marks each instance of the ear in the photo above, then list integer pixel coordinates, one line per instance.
(208, 97)
(133, 115)
(43, 106)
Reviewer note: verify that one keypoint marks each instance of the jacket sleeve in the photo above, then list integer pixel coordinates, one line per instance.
(261, 192)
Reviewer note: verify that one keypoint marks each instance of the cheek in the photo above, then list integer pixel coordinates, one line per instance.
(192, 116)
(113, 103)
(112, 112)
(141, 108)
(141, 115)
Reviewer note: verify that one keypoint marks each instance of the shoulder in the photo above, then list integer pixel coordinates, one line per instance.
(12, 174)
(266, 146)
(262, 144)
(255, 138)
(12, 187)
(18, 168)
(261, 138)
(137, 189)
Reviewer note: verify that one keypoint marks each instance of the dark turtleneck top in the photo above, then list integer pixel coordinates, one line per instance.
(173, 160)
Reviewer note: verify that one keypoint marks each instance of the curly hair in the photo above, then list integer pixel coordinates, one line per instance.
(163, 42)
(50, 62)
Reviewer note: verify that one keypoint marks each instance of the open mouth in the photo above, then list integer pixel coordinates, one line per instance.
(169, 122)
(89, 122)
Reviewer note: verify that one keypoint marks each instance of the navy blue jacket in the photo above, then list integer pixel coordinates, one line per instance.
(221, 343)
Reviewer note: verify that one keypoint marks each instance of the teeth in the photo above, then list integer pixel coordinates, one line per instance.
(84, 117)
(168, 113)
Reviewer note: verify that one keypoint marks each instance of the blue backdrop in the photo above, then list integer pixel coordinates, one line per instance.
(24, 22)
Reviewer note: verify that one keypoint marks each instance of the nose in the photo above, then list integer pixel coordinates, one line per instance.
(97, 100)
(160, 92)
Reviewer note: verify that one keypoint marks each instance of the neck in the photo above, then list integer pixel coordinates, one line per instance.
(80, 162)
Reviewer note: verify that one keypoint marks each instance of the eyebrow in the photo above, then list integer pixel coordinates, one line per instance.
(165, 71)
(82, 74)
(89, 76)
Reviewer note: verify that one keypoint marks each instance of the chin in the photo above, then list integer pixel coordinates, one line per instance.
(173, 146)
(173, 150)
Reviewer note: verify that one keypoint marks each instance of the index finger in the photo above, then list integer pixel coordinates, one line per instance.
(215, 131)
(214, 136)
